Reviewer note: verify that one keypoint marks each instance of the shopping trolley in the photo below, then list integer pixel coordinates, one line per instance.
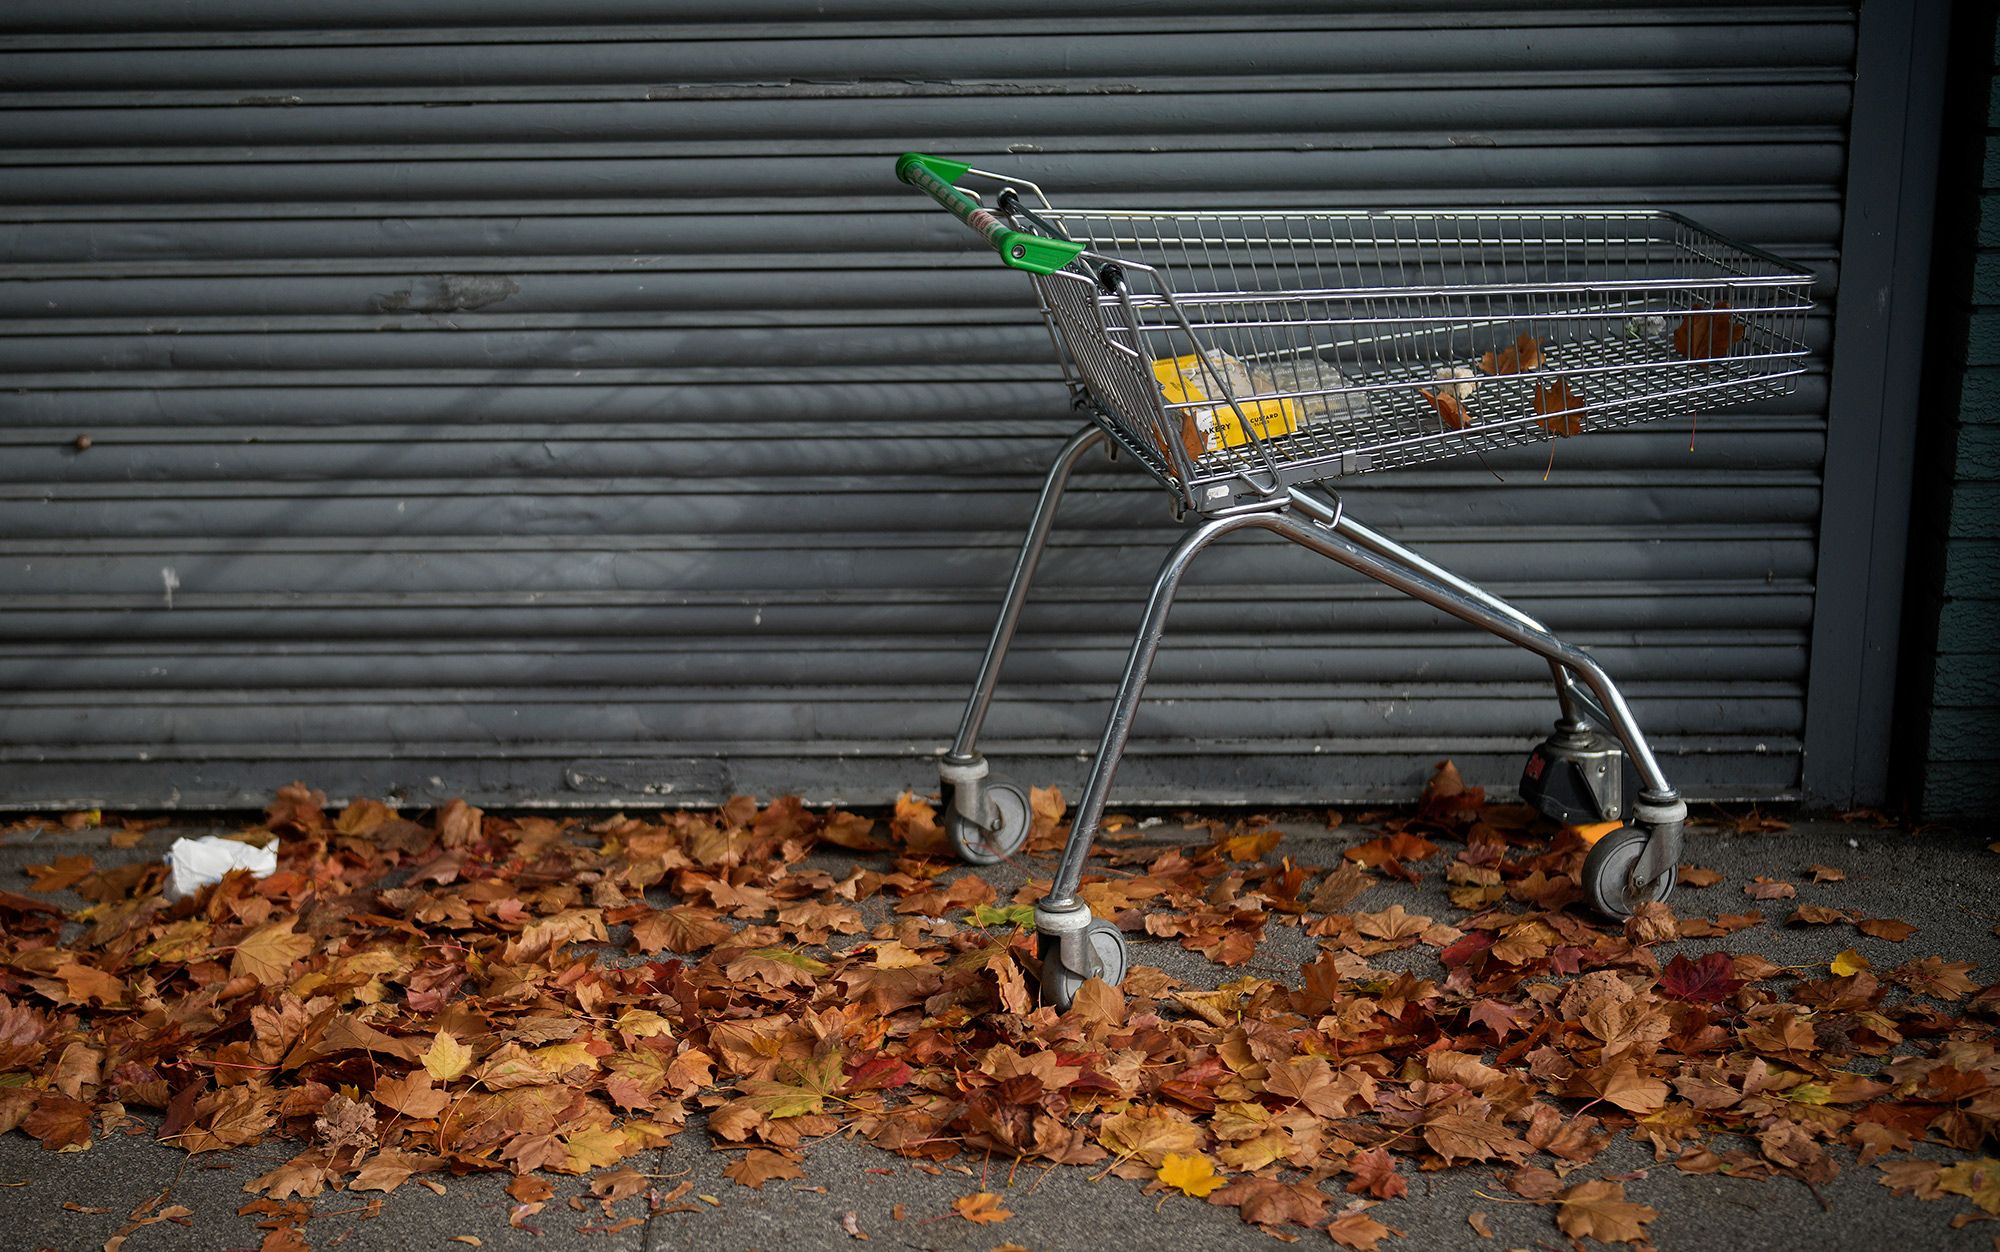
(1251, 360)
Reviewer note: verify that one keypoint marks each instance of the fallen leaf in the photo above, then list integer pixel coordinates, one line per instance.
(1977, 1180)
(981, 1208)
(1190, 1175)
(759, 1166)
(446, 1058)
(64, 872)
(1450, 409)
(1355, 1229)
(1561, 407)
(266, 954)
(1524, 356)
(1761, 888)
(1599, 1210)
(1708, 331)
(1710, 980)
(1375, 1174)
(1886, 928)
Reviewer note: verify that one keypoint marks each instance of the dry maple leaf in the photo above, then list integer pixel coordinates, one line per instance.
(61, 1123)
(1761, 888)
(685, 929)
(1936, 977)
(1886, 928)
(1978, 1181)
(1149, 1134)
(1190, 1175)
(981, 1208)
(1355, 1229)
(1561, 407)
(1707, 332)
(446, 1058)
(1391, 923)
(1524, 356)
(64, 872)
(412, 1096)
(1698, 876)
(1652, 922)
(1375, 1174)
(1339, 888)
(1310, 1082)
(1450, 409)
(1460, 1137)
(1599, 1210)
(759, 1166)
(266, 954)
(1710, 980)
(1268, 1202)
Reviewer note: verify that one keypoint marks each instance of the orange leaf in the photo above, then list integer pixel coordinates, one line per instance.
(1886, 928)
(1561, 406)
(1707, 333)
(1523, 357)
(982, 1208)
(1450, 409)
(65, 871)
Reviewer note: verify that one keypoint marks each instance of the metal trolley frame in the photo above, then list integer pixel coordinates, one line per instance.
(1248, 360)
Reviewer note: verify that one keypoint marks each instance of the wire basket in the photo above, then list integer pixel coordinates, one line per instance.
(1237, 354)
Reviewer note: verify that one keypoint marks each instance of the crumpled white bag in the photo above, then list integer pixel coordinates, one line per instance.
(196, 863)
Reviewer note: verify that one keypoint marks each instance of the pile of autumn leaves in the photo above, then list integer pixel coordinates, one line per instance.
(482, 993)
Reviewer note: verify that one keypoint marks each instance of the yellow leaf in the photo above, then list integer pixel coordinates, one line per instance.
(1190, 1175)
(1850, 962)
(593, 1149)
(446, 1058)
(1977, 1180)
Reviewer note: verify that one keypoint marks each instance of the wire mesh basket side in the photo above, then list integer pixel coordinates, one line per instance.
(1312, 345)
(1363, 382)
(1099, 355)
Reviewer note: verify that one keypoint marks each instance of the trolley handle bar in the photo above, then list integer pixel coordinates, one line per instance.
(1019, 249)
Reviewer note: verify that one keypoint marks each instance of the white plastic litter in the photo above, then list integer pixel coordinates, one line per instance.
(196, 863)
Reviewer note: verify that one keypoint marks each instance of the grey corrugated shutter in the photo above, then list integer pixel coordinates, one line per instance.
(532, 400)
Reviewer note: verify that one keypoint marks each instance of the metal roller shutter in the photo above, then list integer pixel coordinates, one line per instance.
(534, 401)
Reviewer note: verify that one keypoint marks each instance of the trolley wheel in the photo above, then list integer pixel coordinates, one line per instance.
(977, 846)
(1060, 983)
(1607, 874)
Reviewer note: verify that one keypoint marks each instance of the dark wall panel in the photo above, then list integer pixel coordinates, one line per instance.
(544, 402)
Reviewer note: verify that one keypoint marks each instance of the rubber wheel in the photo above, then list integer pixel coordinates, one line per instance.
(1060, 983)
(1607, 869)
(989, 847)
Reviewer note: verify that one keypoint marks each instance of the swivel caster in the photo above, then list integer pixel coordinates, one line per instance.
(1060, 983)
(1010, 818)
(1607, 874)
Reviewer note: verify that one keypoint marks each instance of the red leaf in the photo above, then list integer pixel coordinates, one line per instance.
(1710, 980)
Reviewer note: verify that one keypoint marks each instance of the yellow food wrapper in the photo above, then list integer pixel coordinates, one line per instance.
(1182, 381)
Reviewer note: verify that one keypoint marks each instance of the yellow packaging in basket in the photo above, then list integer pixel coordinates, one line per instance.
(1183, 380)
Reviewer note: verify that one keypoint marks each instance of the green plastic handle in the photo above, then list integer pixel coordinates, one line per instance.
(1017, 248)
